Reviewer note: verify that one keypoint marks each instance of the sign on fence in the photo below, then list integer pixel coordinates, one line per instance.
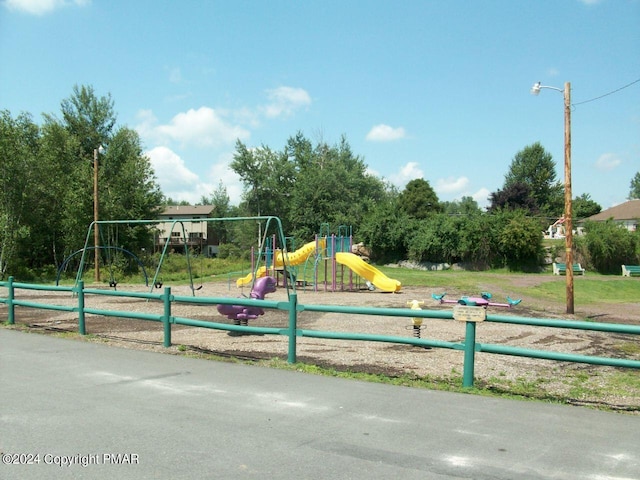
(465, 313)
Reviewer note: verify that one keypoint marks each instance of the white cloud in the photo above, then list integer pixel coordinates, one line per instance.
(170, 168)
(608, 161)
(41, 7)
(179, 183)
(482, 197)
(204, 127)
(230, 180)
(451, 185)
(406, 173)
(385, 133)
(284, 101)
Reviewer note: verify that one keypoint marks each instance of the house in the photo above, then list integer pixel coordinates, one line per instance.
(198, 232)
(626, 214)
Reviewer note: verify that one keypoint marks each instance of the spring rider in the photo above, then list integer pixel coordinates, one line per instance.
(241, 314)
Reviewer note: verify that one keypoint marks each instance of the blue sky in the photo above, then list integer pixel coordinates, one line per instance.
(436, 89)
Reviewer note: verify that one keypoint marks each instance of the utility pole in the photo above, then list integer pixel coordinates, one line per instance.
(568, 210)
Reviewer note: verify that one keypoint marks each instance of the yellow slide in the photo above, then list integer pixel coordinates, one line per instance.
(295, 258)
(368, 272)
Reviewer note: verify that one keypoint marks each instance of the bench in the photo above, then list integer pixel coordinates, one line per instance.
(561, 269)
(631, 270)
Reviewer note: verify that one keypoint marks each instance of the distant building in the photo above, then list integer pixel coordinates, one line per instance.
(199, 234)
(626, 214)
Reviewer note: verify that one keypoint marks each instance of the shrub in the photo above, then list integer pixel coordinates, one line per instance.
(610, 245)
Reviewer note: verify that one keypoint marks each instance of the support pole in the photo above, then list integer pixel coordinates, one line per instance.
(166, 317)
(96, 234)
(293, 326)
(469, 355)
(11, 309)
(568, 210)
(82, 328)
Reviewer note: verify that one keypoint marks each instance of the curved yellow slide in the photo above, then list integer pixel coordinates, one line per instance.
(294, 258)
(369, 272)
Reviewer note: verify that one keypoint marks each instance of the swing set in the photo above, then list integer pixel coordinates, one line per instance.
(112, 251)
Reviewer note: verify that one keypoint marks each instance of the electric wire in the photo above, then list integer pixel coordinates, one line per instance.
(607, 94)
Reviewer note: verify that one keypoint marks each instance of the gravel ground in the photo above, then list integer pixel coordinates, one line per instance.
(493, 371)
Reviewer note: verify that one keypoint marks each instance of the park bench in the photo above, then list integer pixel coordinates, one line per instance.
(561, 269)
(631, 270)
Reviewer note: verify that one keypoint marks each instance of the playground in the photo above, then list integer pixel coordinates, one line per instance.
(368, 357)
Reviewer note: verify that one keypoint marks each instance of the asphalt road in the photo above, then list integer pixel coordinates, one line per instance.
(72, 409)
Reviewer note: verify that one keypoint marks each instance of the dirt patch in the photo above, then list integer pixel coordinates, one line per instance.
(586, 384)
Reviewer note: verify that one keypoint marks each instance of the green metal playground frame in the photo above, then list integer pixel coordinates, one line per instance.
(271, 224)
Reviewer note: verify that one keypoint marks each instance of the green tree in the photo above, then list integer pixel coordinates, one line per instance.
(221, 209)
(610, 245)
(478, 239)
(332, 186)
(306, 186)
(585, 207)
(634, 191)
(19, 146)
(437, 239)
(386, 229)
(520, 241)
(535, 167)
(465, 206)
(88, 118)
(268, 179)
(419, 200)
(127, 188)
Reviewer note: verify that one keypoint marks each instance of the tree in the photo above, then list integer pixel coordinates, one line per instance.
(386, 229)
(306, 186)
(515, 196)
(268, 179)
(418, 199)
(221, 209)
(585, 207)
(332, 186)
(611, 245)
(465, 206)
(634, 191)
(437, 239)
(520, 242)
(88, 118)
(19, 145)
(128, 189)
(46, 183)
(535, 167)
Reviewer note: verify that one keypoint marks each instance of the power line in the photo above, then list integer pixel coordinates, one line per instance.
(607, 94)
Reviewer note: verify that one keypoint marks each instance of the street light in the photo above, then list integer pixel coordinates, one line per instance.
(96, 233)
(568, 219)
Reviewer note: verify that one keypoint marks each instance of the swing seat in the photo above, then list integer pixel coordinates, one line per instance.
(158, 284)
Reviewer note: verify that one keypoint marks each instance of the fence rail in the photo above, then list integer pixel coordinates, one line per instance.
(469, 345)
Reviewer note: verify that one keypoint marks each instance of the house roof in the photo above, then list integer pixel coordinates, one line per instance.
(187, 210)
(629, 210)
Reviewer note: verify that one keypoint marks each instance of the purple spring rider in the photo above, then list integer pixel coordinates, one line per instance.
(241, 314)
